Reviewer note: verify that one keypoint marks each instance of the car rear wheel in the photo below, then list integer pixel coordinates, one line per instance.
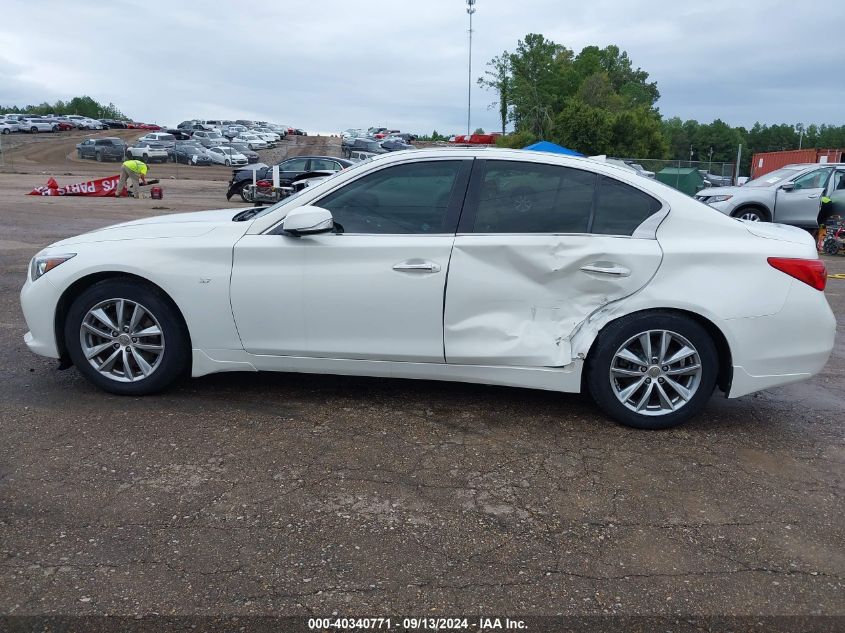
(242, 192)
(750, 214)
(652, 370)
(127, 338)
(6, 130)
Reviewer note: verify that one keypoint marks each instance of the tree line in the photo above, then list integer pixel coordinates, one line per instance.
(84, 106)
(598, 102)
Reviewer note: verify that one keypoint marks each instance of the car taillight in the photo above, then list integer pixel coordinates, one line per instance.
(811, 271)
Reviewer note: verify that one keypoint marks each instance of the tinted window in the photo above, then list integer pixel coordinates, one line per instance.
(296, 164)
(621, 208)
(402, 199)
(519, 197)
(323, 164)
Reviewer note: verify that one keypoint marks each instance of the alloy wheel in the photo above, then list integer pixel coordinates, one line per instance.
(122, 340)
(751, 216)
(655, 372)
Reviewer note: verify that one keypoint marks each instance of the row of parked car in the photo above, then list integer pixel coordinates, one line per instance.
(10, 123)
(359, 144)
(153, 148)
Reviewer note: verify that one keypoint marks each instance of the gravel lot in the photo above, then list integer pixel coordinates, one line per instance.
(300, 495)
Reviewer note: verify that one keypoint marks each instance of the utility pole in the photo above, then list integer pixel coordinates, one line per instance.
(800, 127)
(710, 164)
(470, 11)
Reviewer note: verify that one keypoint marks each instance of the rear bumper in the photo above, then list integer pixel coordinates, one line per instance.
(782, 348)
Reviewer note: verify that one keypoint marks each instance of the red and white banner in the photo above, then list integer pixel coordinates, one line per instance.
(100, 187)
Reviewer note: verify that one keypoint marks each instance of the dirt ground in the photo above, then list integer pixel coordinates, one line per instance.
(319, 495)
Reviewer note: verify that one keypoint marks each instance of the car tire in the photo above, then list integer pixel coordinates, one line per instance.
(79, 153)
(33, 130)
(242, 193)
(146, 157)
(139, 365)
(670, 388)
(831, 246)
(751, 214)
(6, 130)
(99, 157)
(227, 163)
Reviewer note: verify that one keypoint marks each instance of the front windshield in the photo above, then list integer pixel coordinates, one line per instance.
(215, 135)
(773, 177)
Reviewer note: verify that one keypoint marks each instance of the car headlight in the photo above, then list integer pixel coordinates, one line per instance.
(713, 199)
(43, 264)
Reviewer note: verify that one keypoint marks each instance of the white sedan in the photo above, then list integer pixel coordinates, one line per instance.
(495, 266)
(226, 156)
(252, 141)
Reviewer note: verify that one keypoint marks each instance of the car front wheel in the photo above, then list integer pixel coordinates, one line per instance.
(752, 215)
(652, 370)
(127, 338)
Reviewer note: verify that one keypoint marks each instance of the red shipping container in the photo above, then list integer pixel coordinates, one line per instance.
(764, 162)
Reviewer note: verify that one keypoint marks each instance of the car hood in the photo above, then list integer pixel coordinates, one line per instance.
(162, 226)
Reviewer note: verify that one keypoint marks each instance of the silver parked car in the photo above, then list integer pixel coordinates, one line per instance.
(790, 195)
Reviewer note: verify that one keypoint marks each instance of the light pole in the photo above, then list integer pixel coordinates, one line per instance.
(800, 129)
(470, 11)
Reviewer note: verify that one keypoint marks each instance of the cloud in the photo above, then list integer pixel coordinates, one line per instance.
(337, 64)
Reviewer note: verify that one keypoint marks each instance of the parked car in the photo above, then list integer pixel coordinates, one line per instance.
(226, 156)
(288, 170)
(395, 145)
(208, 138)
(391, 268)
(362, 145)
(251, 156)
(232, 131)
(179, 135)
(642, 171)
(356, 156)
(790, 195)
(190, 154)
(713, 180)
(35, 125)
(148, 152)
(113, 124)
(252, 141)
(7, 128)
(101, 149)
(158, 137)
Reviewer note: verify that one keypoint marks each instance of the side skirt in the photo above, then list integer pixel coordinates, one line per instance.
(567, 379)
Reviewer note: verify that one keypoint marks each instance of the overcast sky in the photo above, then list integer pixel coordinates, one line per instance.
(326, 65)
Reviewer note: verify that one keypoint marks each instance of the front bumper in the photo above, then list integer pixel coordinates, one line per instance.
(38, 302)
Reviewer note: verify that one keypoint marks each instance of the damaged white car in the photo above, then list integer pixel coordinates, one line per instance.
(502, 267)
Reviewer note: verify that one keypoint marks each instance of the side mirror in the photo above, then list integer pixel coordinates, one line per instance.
(308, 220)
(788, 186)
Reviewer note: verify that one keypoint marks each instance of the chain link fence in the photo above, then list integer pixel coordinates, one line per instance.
(684, 175)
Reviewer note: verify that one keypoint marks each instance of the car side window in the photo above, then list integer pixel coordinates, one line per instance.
(403, 199)
(524, 197)
(295, 164)
(837, 182)
(814, 180)
(322, 164)
(621, 208)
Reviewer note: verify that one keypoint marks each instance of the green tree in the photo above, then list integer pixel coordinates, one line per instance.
(497, 78)
(533, 83)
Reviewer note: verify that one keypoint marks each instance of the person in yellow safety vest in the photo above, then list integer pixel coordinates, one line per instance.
(133, 170)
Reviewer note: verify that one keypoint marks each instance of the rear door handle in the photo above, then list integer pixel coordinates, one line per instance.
(417, 265)
(607, 269)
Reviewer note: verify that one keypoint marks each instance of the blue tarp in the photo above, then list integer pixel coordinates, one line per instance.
(545, 146)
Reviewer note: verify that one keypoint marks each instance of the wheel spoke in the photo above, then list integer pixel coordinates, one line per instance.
(153, 330)
(96, 331)
(646, 397)
(143, 365)
(626, 354)
(645, 341)
(664, 398)
(91, 352)
(681, 354)
(127, 370)
(107, 364)
(147, 348)
(665, 340)
(628, 373)
(686, 369)
(119, 310)
(629, 391)
(104, 318)
(135, 319)
(682, 391)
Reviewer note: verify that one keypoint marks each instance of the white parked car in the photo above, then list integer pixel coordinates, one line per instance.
(35, 125)
(251, 140)
(148, 152)
(267, 134)
(494, 266)
(85, 123)
(164, 138)
(7, 127)
(226, 156)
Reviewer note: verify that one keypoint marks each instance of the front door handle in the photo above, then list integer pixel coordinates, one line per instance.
(607, 269)
(814, 195)
(417, 265)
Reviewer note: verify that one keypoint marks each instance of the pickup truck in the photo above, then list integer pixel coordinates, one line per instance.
(790, 195)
